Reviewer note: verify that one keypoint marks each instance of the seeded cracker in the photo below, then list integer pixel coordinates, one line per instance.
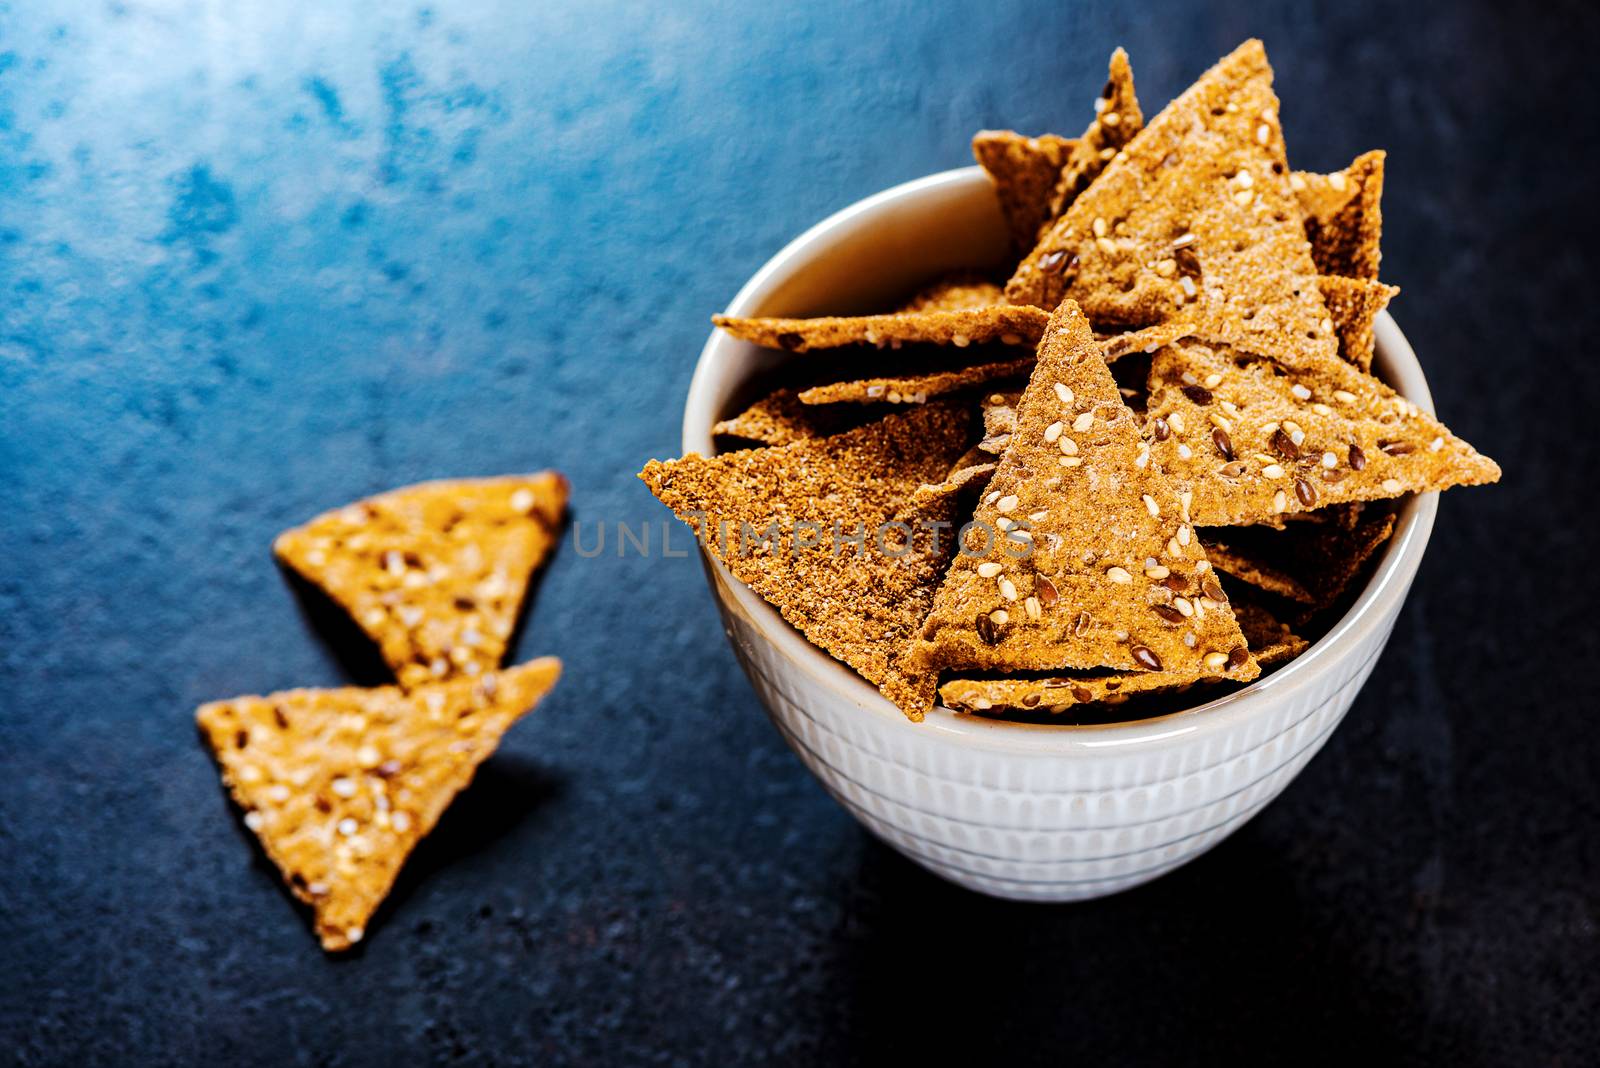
(1270, 642)
(340, 785)
(1194, 218)
(862, 607)
(1025, 171)
(961, 292)
(1117, 120)
(434, 573)
(780, 418)
(915, 389)
(1250, 569)
(1344, 217)
(1002, 323)
(1254, 443)
(1353, 304)
(1115, 577)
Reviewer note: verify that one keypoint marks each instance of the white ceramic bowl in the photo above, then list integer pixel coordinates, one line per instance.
(1037, 812)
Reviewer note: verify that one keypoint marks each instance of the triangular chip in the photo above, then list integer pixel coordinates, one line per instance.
(340, 785)
(1344, 216)
(1253, 441)
(1195, 218)
(1270, 642)
(809, 527)
(915, 389)
(1025, 171)
(434, 573)
(1117, 120)
(1002, 323)
(1090, 561)
(780, 418)
(963, 292)
(1353, 304)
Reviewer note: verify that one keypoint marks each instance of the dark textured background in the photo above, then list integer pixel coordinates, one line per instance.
(257, 259)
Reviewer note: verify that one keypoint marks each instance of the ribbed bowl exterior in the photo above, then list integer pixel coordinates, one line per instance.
(1043, 825)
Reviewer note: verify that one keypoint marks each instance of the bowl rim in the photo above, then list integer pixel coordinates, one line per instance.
(1375, 608)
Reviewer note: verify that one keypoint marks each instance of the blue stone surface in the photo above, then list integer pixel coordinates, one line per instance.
(259, 259)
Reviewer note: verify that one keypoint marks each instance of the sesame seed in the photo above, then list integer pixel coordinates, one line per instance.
(1272, 471)
(989, 569)
(1297, 436)
(254, 820)
(1336, 180)
(1344, 396)
(1321, 409)
(1183, 241)
(1263, 134)
(1166, 268)
(1187, 283)
(1436, 444)
(354, 934)
(1244, 179)
(1040, 515)
(1111, 118)
(1392, 485)
(1280, 501)
(277, 793)
(1033, 608)
(1173, 548)
(394, 563)
(1106, 244)
(367, 756)
(1183, 535)
(1025, 535)
(1118, 574)
(1083, 422)
(1007, 503)
(343, 787)
(1151, 506)
(1068, 447)
(1329, 460)
(1184, 452)
(1327, 326)
(1243, 197)
(1099, 227)
(1008, 589)
(1185, 499)
(1071, 461)
(1297, 183)
(999, 617)
(401, 822)
(1300, 392)
(1214, 661)
(1158, 572)
(1003, 523)
(1142, 459)
(1175, 421)
(1064, 393)
(1182, 605)
(1212, 381)
(1219, 422)
(522, 501)
(991, 498)
(348, 826)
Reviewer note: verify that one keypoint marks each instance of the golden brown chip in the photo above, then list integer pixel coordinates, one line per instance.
(811, 527)
(1194, 218)
(1117, 120)
(1025, 171)
(435, 573)
(1090, 561)
(961, 292)
(1254, 442)
(1270, 641)
(1353, 304)
(915, 389)
(1002, 323)
(1344, 217)
(340, 785)
(780, 418)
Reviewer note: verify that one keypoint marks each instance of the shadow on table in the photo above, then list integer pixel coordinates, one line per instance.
(1217, 961)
